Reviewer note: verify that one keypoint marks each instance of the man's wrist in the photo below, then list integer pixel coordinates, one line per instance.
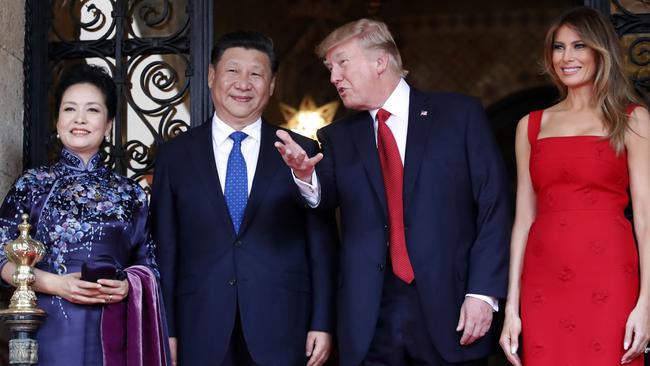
(303, 176)
(490, 300)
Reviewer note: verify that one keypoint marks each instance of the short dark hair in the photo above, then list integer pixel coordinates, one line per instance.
(248, 40)
(87, 74)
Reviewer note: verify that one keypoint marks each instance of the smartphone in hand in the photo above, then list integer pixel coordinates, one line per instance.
(93, 271)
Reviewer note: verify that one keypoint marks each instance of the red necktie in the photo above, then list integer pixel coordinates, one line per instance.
(393, 172)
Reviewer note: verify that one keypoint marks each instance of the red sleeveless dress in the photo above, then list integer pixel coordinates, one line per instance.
(580, 278)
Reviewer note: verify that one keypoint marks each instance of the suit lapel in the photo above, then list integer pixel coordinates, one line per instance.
(268, 162)
(202, 155)
(364, 139)
(420, 121)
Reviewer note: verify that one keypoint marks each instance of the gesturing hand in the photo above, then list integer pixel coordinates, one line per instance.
(295, 157)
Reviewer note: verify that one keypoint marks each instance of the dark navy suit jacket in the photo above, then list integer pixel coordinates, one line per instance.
(278, 271)
(457, 219)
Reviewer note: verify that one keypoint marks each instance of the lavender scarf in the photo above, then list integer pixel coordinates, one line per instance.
(134, 332)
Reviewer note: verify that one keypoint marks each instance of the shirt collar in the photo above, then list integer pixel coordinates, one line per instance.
(397, 103)
(72, 160)
(221, 131)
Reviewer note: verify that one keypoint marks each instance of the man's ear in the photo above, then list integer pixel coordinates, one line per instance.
(272, 85)
(382, 61)
(211, 74)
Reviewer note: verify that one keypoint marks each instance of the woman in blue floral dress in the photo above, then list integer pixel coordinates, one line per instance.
(84, 213)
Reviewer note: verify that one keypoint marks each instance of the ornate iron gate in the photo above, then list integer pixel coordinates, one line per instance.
(157, 52)
(631, 19)
(632, 24)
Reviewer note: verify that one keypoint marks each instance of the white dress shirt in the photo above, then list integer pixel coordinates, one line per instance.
(222, 144)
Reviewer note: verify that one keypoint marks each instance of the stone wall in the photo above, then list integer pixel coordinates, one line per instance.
(12, 23)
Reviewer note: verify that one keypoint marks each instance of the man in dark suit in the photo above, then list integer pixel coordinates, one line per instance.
(246, 267)
(421, 173)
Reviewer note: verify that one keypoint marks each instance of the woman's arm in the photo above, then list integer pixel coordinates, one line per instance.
(637, 144)
(524, 216)
(19, 200)
(68, 286)
(142, 246)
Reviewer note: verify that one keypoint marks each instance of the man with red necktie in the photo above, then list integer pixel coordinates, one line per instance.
(424, 208)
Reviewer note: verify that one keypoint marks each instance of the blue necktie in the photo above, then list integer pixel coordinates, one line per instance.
(236, 191)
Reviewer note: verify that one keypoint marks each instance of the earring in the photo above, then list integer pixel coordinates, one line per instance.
(57, 136)
(107, 138)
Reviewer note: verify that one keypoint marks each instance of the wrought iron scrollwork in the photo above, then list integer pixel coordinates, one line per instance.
(640, 51)
(67, 21)
(162, 91)
(639, 55)
(163, 77)
(171, 127)
(633, 19)
(147, 45)
(153, 13)
(627, 21)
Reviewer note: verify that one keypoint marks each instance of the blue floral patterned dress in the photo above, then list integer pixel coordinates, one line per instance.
(81, 213)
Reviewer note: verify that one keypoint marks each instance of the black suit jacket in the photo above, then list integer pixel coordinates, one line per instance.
(277, 271)
(456, 215)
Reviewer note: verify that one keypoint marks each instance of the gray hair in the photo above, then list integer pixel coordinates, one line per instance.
(371, 34)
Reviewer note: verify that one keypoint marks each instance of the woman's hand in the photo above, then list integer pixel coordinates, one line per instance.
(113, 291)
(509, 340)
(72, 288)
(637, 333)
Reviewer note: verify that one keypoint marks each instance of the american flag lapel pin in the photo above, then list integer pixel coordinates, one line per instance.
(424, 113)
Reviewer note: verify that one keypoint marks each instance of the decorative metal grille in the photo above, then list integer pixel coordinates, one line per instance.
(157, 52)
(631, 19)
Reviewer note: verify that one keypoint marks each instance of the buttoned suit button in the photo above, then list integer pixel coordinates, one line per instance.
(238, 243)
(232, 282)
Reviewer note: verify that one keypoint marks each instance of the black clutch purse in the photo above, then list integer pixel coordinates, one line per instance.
(94, 270)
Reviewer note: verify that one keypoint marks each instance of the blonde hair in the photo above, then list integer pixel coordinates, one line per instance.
(612, 87)
(371, 34)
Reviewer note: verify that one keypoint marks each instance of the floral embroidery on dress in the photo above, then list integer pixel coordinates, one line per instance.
(80, 212)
